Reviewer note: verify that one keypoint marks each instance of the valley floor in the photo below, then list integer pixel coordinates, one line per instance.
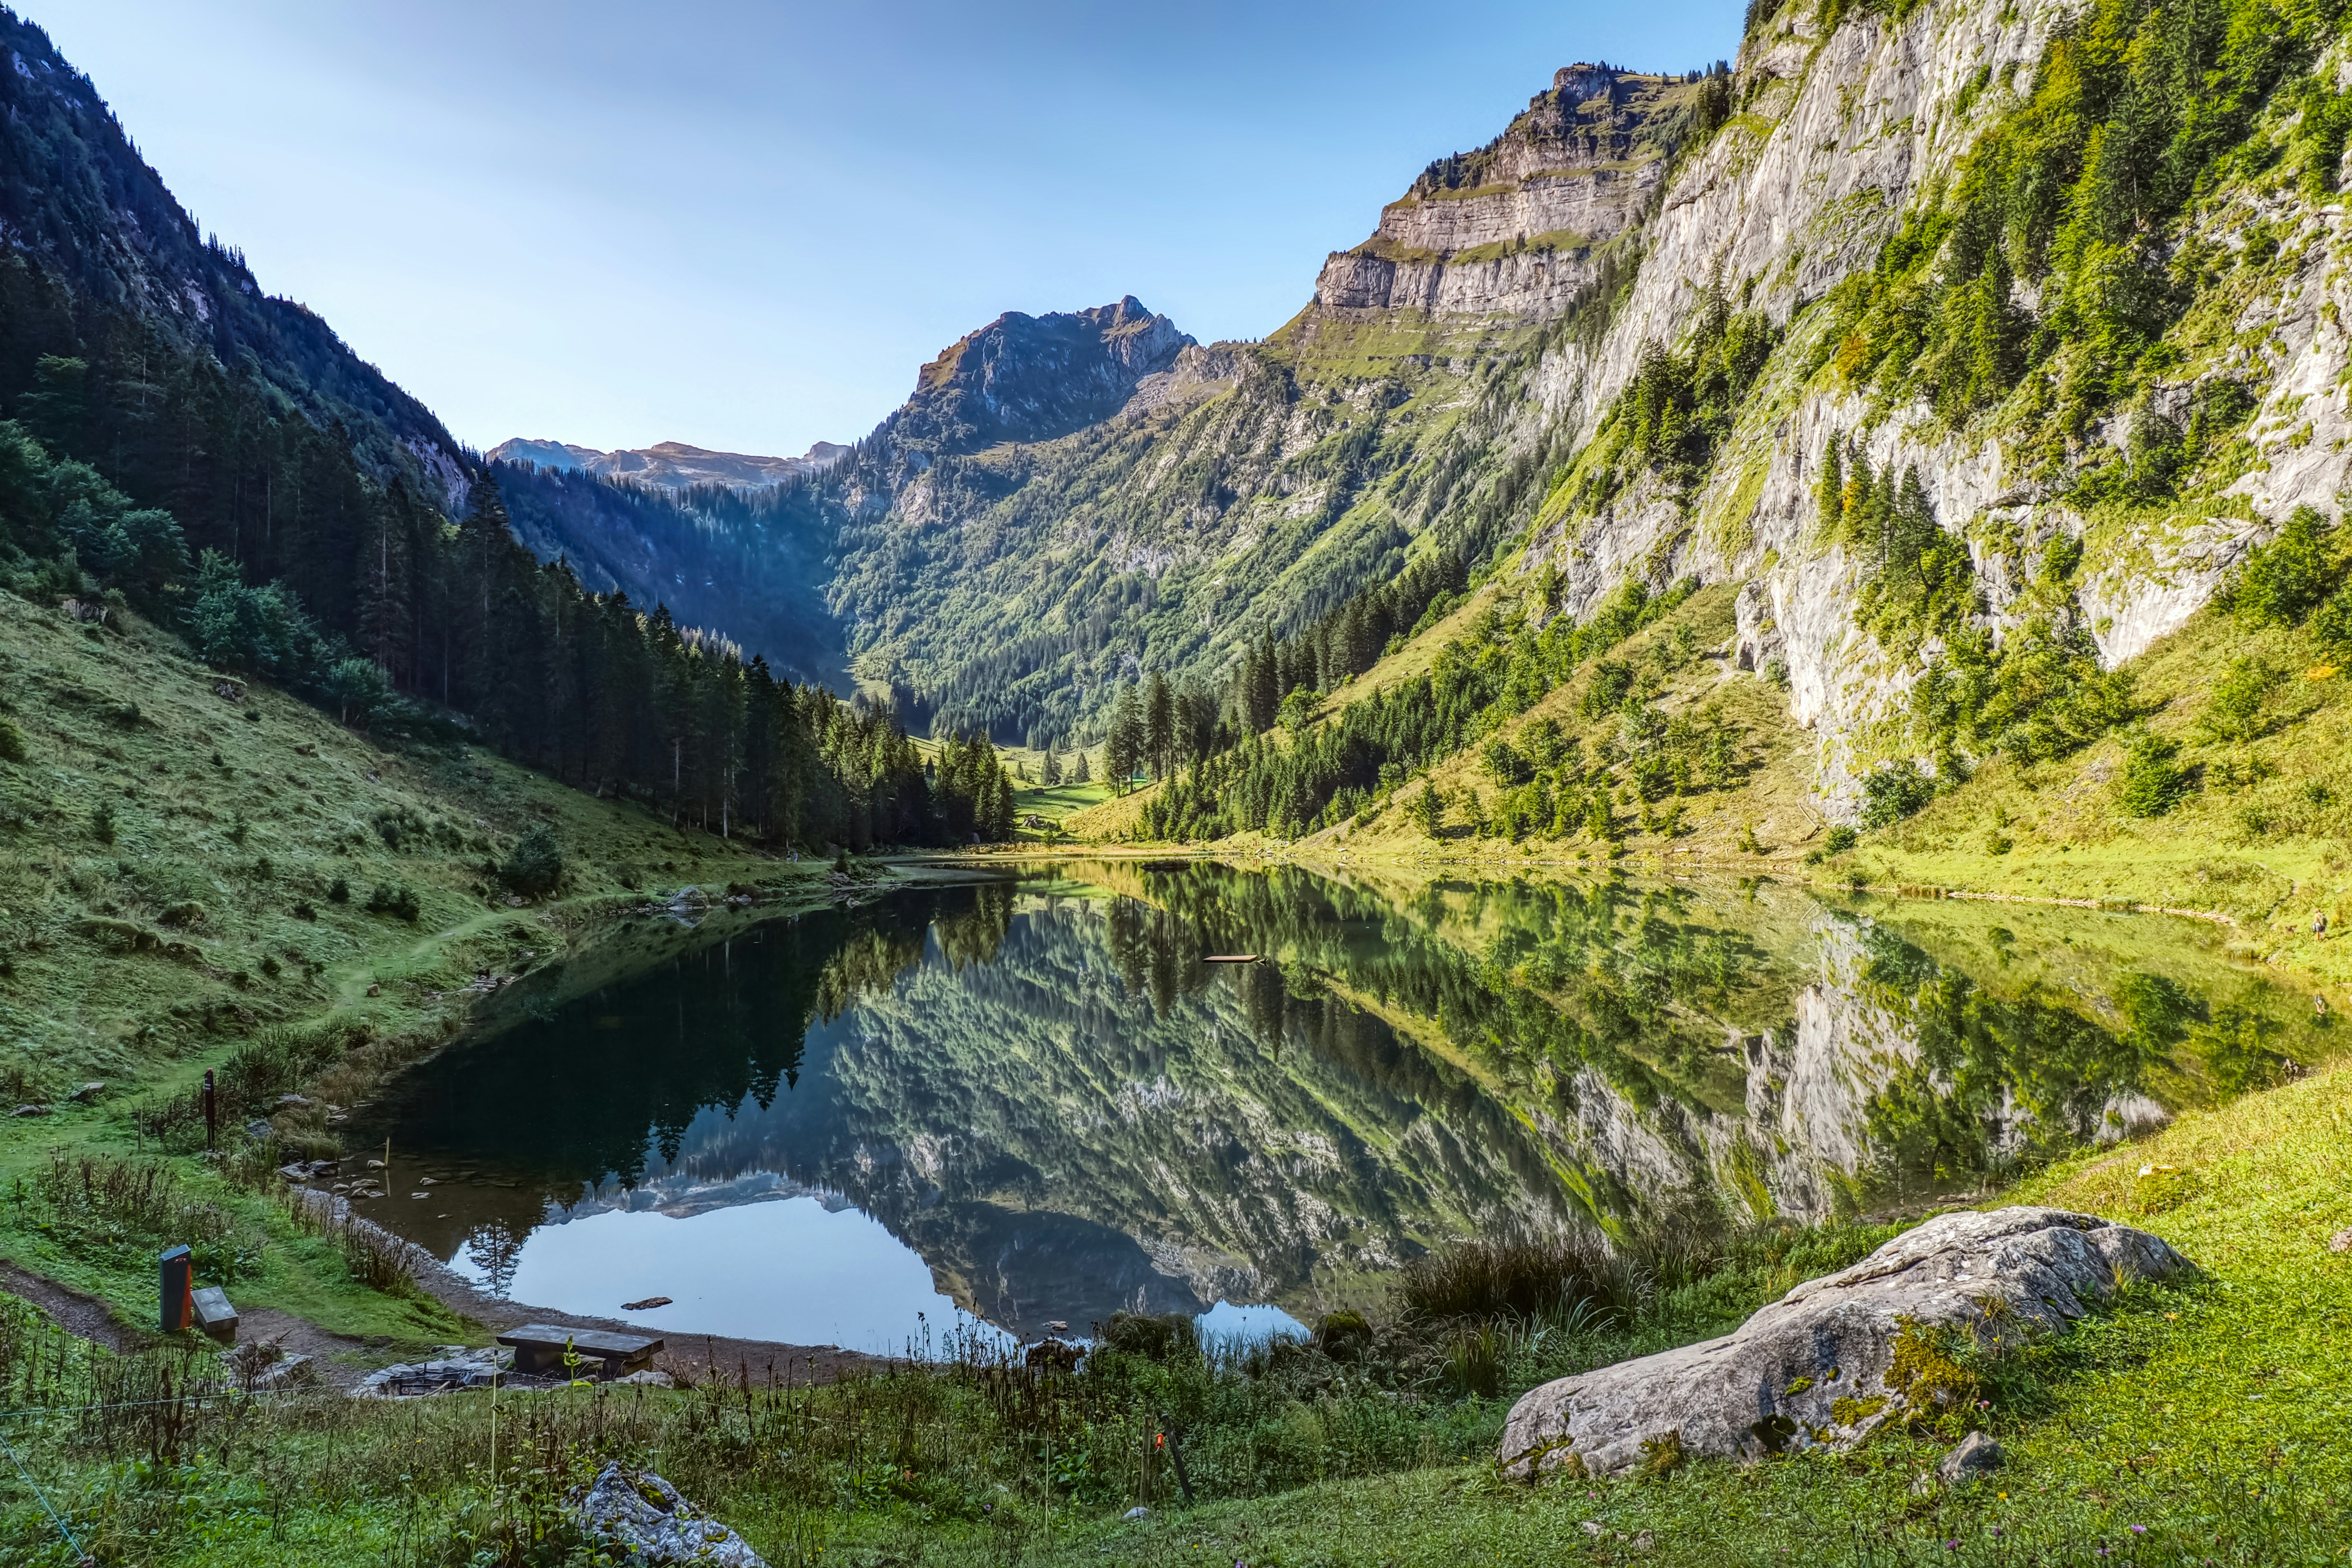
(2192, 1424)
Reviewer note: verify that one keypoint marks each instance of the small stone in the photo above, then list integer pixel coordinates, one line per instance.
(259, 1130)
(2341, 1241)
(1137, 1512)
(1644, 1542)
(1976, 1455)
(87, 1093)
(1592, 1527)
(32, 1111)
(420, 1194)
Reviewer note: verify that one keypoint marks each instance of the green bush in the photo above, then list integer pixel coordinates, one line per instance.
(2234, 712)
(1169, 1337)
(1840, 839)
(339, 892)
(12, 741)
(2154, 781)
(2292, 575)
(1893, 792)
(534, 866)
(101, 822)
(394, 899)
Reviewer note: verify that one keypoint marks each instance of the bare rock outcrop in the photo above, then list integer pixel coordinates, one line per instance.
(645, 1517)
(1840, 1356)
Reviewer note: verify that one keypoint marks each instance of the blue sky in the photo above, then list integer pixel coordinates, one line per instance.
(745, 225)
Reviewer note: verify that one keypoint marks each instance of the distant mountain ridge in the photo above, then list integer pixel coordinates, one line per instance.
(671, 465)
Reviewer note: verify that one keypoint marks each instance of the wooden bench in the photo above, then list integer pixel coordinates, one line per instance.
(539, 1350)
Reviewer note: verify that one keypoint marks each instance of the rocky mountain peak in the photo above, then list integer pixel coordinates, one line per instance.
(1036, 378)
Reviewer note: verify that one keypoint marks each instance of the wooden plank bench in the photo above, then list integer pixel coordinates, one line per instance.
(539, 1350)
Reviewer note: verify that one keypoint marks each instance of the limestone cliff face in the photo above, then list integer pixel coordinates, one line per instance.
(1512, 227)
(1840, 135)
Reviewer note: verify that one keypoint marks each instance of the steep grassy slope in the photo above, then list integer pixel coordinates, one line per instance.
(200, 874)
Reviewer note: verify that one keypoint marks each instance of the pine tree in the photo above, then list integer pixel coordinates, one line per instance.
(1160, 726)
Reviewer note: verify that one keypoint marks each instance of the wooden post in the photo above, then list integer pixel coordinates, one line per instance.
(177, 1288)
(211, 1121)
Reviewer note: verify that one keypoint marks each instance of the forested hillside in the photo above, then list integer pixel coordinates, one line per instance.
(178, 447)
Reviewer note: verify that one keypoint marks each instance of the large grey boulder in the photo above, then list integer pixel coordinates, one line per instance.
(644, 1516)
(1820, 1365)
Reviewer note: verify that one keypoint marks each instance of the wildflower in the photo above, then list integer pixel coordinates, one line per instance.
(2139, 1530)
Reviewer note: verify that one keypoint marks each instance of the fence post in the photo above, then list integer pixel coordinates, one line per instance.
(212, 1125)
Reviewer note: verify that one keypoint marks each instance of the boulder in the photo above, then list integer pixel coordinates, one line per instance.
(1840, 1356)
(1976, 1456)
(644, 1516)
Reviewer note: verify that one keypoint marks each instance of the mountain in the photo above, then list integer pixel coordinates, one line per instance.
(1011, 571)
(749, 564)
(178, 448)
(1952, 448)
(671, 465)
(78, 201)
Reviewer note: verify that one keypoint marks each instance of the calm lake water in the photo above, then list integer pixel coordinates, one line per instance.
(989, 1110)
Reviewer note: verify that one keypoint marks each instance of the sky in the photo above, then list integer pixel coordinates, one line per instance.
(746, 226)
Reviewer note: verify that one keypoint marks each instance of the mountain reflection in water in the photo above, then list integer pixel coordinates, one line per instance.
(984, 1109)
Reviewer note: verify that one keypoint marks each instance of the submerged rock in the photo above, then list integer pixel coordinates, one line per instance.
(1840, 1356)
(645, 1517)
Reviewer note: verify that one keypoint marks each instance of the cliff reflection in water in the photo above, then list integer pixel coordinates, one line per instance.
(1044, 1092)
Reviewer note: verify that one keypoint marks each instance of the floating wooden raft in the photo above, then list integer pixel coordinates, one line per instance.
(1231, 958)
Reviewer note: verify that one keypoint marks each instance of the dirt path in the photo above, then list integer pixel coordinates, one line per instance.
(85, 1317)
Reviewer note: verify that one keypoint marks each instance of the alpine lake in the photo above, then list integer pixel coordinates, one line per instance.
(996, 1111)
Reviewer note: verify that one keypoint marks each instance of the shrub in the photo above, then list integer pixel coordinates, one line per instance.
(1474, 1355)
(1171, 1336)
(12, 741)
(359, 689)
(339, 892)
(1503, 762)
(101, 822)
(392, 898)
(2154, 781)
(1895, 790)
(534, 866)
(1516, 1277)
(2333, 621)
(1840, 839)
(1343, 1335)
(2288, 578)
(2234, 712)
